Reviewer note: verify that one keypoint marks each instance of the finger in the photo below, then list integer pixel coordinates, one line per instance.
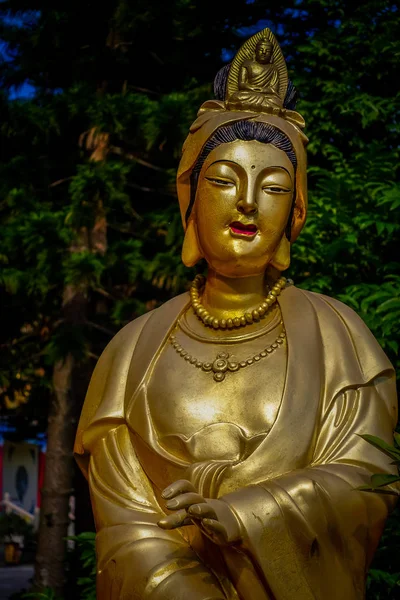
(184, 501)
(175, 520)
(178, 487)
(202, 511)
(215, 528)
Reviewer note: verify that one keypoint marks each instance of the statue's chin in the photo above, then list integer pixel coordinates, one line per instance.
(238, 268)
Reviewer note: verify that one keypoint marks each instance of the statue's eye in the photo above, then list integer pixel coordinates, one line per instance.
(218, 181)
(276, 189)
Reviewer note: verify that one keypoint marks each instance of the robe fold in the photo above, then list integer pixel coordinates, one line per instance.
(307, 532)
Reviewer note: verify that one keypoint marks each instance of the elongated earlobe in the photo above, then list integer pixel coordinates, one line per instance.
(281, 258)
(191, 252)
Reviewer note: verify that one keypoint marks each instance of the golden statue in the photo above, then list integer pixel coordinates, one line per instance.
(220, 431)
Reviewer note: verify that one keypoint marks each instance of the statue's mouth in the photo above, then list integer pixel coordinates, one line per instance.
(239, 228)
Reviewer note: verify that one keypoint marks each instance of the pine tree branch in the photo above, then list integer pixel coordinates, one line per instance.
(140, 161)
(100, 328)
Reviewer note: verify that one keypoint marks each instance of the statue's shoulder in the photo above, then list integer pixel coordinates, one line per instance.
(126, 339)
(341, 327)
(331, 312)
(338, 309)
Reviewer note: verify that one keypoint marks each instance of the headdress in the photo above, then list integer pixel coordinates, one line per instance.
(246, 90)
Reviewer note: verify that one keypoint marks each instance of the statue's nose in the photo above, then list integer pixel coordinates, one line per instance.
(247, 205)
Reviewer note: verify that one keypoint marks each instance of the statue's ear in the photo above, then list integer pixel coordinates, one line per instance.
(191, 252)
(281, 258)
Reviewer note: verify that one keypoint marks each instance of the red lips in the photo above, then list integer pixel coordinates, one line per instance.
(241, 228)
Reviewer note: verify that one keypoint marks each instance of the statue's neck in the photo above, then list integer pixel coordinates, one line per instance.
(225, 297)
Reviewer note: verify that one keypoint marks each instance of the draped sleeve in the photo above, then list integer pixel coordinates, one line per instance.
(135, 558)
(309, 532)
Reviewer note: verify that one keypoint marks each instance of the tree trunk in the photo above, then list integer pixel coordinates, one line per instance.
(59, 470)
(50, 555)
(64, 413)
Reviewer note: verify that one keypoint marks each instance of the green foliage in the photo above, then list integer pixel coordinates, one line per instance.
(85, 543)
(383, 581)
(379, 481)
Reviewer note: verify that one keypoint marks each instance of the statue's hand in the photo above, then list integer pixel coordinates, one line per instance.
(214, 517)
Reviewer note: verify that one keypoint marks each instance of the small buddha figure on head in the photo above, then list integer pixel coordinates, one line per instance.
(258, 79)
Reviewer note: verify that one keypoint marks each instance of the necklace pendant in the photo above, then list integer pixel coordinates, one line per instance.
(221, 366)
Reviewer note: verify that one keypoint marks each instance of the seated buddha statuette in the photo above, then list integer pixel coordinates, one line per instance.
(220, 431)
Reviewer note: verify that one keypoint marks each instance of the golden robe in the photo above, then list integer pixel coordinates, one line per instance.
(307, 532)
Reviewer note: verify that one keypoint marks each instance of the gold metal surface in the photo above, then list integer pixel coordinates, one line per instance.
(258, 77)
(240, 486)
(239, 321)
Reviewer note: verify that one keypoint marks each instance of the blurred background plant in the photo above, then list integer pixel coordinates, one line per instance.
(96, 102)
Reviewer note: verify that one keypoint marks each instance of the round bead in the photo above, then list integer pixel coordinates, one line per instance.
(249, 317)
(236, 322)
(250, 361)
(215, 323)
(220, 365)
(263, 354)
(223, 324)
(265, 306)
(188, 357)
(233, 366)
(274, 345)
(207, 366)
(242, 364)
(199, 364)
(256, 315)
(193, 360)
(261, 311)
(178, 348)
(270, 349)
(273, 293)
(282, 335)
(257, 357)
(229, 323)
(219, 376)
(243, 321)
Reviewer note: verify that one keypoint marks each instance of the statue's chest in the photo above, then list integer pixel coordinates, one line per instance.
(256, 70)
(184, 399)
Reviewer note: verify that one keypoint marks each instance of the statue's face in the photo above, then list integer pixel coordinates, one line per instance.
(243, 201)
(263, 53)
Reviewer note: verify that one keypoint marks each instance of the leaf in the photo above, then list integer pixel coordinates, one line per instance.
(393, 303)
(381, 445)
(381, 479)
(369, 488)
